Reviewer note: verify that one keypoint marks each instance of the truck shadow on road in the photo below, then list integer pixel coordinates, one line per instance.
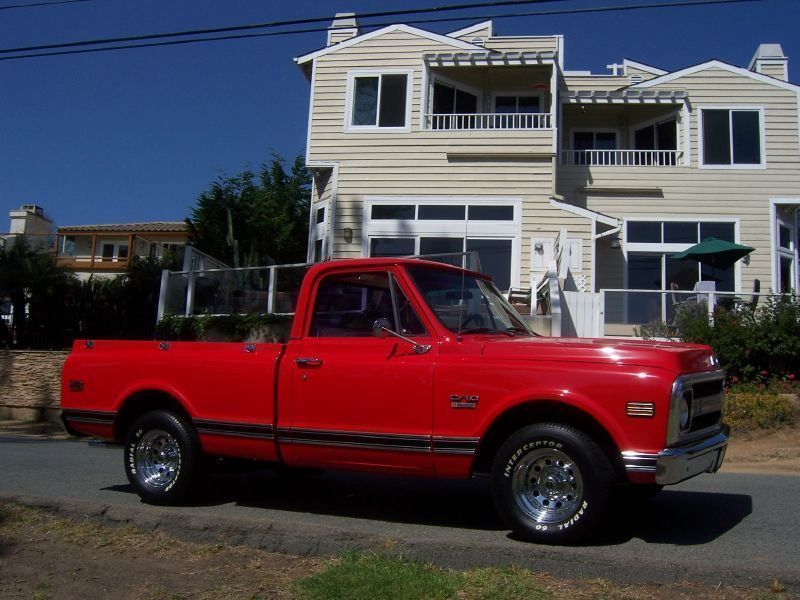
(671, 517)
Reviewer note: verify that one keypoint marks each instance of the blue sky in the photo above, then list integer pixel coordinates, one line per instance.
(136, 135)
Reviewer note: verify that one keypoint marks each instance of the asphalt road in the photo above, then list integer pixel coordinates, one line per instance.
(731, 528)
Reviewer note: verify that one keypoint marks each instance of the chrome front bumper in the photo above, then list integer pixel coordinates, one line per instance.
(673, 465)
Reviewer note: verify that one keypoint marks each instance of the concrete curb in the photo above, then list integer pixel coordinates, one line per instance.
(302, 539)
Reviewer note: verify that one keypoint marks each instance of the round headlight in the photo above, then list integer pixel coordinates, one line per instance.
(683, 413)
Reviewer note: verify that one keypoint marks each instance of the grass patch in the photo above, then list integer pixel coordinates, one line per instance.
(371, 576)
(749, 410)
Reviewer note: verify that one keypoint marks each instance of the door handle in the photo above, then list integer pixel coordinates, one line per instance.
(308, 362)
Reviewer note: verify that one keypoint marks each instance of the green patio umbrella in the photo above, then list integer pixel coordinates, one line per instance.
(718, 254)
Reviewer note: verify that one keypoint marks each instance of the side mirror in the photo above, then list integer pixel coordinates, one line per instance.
(382, 328)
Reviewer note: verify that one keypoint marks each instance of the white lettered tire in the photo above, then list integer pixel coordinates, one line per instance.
(162, 457)
(551, 483)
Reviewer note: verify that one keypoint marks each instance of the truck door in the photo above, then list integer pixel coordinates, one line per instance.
(360, 401)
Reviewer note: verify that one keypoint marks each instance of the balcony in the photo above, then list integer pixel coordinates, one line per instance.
(622, 158)
(488, 121)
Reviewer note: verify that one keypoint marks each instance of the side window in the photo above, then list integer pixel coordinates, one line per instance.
(347, 305)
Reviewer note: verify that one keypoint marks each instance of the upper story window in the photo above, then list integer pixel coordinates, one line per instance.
(451, 100)
(594, 140)
(662, 135)
(379, 101)
(517, 104)
(732, 138)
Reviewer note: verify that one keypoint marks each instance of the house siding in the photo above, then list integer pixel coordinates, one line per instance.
(693, 193)
(419, 162)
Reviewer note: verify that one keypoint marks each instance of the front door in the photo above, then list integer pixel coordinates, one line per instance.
(361, 401)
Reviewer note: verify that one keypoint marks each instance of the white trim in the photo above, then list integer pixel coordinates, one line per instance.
(311, 111)
(730, 108)
(560, 51)
(555, 118)
(463, 228)
(686, 113)
(472, 29)
(716, 64)
(641, 67)
(773, 242)
(330, 216)
(435, 37)
(348, 107)
(586, 213)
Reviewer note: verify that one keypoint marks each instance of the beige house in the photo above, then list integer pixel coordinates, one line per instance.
(421, 143)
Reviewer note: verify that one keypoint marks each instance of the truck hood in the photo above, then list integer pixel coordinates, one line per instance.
(676, 357)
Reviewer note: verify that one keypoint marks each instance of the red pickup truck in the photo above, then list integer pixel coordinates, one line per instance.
(413, 368)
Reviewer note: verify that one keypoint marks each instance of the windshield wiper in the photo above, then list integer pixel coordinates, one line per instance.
(484, 330)
(515, 329)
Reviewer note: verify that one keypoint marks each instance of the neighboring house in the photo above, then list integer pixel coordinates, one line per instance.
(107, 250)
(421, 143)
(29, 221)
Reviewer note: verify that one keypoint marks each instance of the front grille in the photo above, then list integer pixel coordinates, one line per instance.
(707, 397)
(704, 394)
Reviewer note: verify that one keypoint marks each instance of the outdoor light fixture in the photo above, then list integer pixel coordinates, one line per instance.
(614, 239)
(539, 247)
(348, 235)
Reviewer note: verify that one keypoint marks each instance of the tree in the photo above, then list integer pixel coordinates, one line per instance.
(249, 219)
(37, 289)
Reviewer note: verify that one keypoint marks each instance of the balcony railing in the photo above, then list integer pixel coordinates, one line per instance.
(621, 158)
(484, 121)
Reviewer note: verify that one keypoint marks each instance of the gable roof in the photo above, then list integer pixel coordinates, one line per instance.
(472, 29)
(718, 64)
(626, 62)
(435, 37)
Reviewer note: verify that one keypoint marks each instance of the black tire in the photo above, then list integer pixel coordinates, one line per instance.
(551, 483)
(162, 457)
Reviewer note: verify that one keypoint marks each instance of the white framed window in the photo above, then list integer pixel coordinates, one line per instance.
(318, 249)
(649, 243)
(409, 226)
(113, 251)
(378, 100)
(731, 137)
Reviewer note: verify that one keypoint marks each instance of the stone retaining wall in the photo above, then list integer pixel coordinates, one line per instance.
(30, 384)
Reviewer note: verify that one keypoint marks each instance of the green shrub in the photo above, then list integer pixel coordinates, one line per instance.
(230, 328)
(757, 346)
(745, 411)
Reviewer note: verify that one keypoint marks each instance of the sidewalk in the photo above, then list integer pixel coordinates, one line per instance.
(45, 430)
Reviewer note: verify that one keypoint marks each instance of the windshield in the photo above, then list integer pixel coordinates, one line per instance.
(467, 304)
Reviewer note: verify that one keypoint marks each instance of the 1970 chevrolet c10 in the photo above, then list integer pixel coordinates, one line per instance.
(412, 368)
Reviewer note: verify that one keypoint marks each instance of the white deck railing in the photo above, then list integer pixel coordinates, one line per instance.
(622, 158)
(482, 121)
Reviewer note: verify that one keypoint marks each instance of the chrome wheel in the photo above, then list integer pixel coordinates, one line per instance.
(547, 485)
(157, 458)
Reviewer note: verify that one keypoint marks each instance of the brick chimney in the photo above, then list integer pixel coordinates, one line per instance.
(769, 60)
(344, 27)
